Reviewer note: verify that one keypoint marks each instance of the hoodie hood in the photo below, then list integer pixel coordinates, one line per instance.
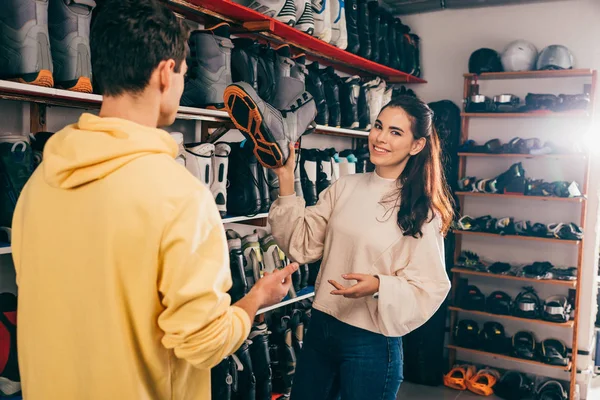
(94, 147)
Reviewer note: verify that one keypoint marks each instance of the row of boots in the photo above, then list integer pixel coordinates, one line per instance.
(319, 169)
(254, 254)
(266, 362)
(361, 27)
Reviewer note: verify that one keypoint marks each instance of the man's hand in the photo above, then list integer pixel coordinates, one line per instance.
(272, 288)
(366, 285)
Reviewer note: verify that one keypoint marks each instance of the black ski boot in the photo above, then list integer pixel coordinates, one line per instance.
(297, 327)
(384, 52)
(314, 85)
(416, 55)
(324, 170)
(332, 93)
(246, 388)
(349, 94)
(243, 197)
(263, 186)
(267, 87)
(282, 335)
(364, 36)
(394, 57)
(373, 7)
(209, 68)
(261, 362)
(244, 61)
(224, 379)
(308, 176)
(239, 287)
(364, 113)
(351, 7)
(401, 48)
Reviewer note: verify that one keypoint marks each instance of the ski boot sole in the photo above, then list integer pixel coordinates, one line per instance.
(249, 120)
(43, 78)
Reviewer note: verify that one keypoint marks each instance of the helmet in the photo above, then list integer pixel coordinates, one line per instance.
(519, 55)
(555, 57)
(484, 60)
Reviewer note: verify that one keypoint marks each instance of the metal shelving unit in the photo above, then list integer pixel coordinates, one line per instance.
(464, 157)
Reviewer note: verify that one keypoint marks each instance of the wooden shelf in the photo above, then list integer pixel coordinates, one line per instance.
(465, 271)
(257, 24)
(285, 303)
(568, 324)
(505, 357)
(522, 196)
(534, 238)
(568, 73)
(515, 155)
(535, 114)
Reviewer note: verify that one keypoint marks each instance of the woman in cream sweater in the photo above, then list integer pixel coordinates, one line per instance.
(380, 236)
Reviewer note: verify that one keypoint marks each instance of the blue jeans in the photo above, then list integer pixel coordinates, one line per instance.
(341, 361)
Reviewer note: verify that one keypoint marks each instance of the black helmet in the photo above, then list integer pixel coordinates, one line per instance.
(485, 60)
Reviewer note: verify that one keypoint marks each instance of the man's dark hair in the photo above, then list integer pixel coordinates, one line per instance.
(129, 39)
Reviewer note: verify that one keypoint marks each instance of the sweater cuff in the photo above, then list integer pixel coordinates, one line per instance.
(287, 199)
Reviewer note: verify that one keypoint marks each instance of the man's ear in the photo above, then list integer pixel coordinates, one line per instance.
(417, 146)
(165, 71)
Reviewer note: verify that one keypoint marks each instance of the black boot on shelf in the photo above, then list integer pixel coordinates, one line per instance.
(239, 286)
(209, 62)
(399, 29)
(331, 83)
(349, 93)
(246, 388)
(416, 55)
(364, 36)
(323, 171)
(384, 52)
(224, 379)
(308, 176)
(364, 112)
(261, 361)
(351, 7)
(266, 77)
(243, 195)
(373, 7)
(297, 327)
(265, 191)
(315, 87)
(287, 357)
(244, 61)
(394, 57)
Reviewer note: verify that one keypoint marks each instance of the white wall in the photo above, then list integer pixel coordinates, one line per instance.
(448, 38)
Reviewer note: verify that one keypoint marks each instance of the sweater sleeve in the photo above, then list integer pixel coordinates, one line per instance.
(418, 287)
(198, 321)
(299, 230)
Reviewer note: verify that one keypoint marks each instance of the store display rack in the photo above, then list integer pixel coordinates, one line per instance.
(259, 26)
(458, 272)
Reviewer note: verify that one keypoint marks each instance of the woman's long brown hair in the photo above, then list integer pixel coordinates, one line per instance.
(424, 192)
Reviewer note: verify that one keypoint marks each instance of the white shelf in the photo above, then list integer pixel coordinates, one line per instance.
(329, 130)
(5, 250)
(285, 303)
(231, 220)
(25, 92)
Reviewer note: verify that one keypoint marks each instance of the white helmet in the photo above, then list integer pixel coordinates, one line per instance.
(519, 55)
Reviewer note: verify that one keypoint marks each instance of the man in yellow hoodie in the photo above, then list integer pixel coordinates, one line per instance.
(121, 257)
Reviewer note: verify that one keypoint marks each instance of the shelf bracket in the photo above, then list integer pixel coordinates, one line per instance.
(37, 118)
(258, 26)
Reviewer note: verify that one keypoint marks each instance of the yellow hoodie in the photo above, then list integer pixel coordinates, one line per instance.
(122, 267)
